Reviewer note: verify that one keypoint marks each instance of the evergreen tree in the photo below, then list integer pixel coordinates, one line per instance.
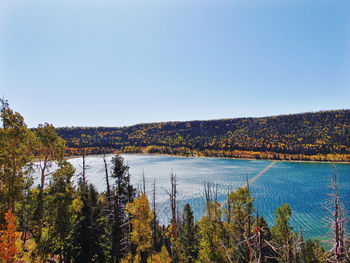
(262, 234)
(89, 242)
(212, 232)
(188, 235)
(240, 228)
(26, 212)
(60, 210)
(123, 192)
(313, 251)
(282, 232)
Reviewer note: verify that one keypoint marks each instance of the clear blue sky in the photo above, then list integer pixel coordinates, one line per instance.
(116, 63)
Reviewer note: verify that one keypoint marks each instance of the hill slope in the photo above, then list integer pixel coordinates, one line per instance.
(294, 136)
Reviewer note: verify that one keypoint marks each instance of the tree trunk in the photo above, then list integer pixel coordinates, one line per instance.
(107, 177)
(173, 212)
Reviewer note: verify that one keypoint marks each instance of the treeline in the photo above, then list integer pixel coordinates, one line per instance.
(319, 136)
(58, 221)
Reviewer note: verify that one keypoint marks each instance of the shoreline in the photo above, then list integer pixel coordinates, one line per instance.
(209, 157)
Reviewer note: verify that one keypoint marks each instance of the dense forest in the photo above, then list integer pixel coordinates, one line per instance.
(319, 136)
(65, 219)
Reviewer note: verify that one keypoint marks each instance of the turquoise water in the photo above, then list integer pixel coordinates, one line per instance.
(304, 186)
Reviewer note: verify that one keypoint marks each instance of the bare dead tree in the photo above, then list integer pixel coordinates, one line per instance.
(249, 221)
(228, 206)
(258, 243)
(250, 247)
(294, 247)
(4, 106)
(274, 249)
(207, 191)
(84, 166)
(109, 197)
(143, 182)
(172, 196)
(154, 222)
(216, 193)
(107, 176)
(302, 245)
(247, 179)
(337, 221)
(211, 192)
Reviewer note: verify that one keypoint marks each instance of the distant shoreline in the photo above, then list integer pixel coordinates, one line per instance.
(209, 157)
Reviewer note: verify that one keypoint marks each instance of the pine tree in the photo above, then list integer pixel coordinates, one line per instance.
(240, 228)
(123, 192)
(282, 233)
(60, 211)
(188, 235)
(262, 238)
(313, 251)
(212, 232)
(89, 242)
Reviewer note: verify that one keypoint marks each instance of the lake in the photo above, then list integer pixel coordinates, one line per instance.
(304, 186)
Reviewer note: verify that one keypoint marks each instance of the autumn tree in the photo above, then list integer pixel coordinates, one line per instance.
(16, 153)
(213, 247)
(50, 147)
(141, 218)
(161, 257)
(8, 237)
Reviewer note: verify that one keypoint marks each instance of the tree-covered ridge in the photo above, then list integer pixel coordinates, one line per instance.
(294, 136)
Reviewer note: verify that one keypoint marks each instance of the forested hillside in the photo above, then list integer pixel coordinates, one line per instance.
(307, 136)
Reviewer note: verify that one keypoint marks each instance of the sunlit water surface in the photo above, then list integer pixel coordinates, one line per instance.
(304, 186)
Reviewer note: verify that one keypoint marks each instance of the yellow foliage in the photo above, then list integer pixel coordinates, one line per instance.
(77, 204)
(127, 259)
(142, 217)
(162, 257)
